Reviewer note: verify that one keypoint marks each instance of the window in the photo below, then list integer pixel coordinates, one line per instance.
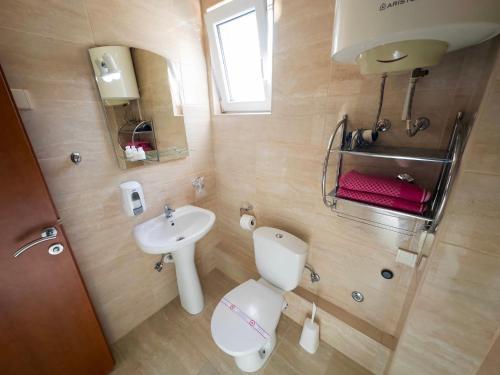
(240, 41)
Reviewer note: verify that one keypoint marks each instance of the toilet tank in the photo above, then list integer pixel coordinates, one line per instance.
(280, 257)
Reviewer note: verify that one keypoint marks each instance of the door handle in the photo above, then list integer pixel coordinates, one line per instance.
(46, 235)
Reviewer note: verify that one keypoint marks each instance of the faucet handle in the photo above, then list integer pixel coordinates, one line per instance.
(169, 212)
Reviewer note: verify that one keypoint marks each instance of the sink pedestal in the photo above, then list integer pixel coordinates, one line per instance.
(178, 235)
(188, 281)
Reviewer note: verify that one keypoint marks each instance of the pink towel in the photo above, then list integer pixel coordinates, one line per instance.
(391, 187)
(382, 200)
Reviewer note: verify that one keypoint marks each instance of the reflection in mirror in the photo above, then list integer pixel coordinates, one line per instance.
(142, 97)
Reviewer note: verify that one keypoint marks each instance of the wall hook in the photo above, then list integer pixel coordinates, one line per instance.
(245, 210)
(75, 157)
(198, 183)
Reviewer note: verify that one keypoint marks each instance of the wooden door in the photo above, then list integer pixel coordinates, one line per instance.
(47, 322)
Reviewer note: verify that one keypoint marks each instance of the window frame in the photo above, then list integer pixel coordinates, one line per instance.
(225, 12)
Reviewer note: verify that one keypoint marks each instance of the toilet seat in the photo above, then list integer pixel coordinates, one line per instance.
(247, 326)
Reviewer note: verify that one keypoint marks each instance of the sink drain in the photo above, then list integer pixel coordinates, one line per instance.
(180, 238)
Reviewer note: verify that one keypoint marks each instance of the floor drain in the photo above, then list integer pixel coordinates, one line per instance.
(387, 274)
(358, 296)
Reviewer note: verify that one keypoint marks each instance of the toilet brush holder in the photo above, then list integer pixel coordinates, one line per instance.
(309, 339)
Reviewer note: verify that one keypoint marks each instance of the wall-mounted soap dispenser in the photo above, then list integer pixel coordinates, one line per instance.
(133, 198)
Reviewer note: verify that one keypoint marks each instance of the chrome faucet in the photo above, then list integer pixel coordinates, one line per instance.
(169, 212)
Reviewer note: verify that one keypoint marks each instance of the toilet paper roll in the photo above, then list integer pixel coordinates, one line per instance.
(369, 136)
(248, 222)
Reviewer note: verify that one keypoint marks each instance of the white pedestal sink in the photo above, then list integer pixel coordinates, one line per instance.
(178, 236)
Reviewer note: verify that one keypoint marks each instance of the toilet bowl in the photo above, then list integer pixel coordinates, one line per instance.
(244, 321)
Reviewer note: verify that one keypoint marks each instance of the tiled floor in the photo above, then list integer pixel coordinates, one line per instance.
(175, 343)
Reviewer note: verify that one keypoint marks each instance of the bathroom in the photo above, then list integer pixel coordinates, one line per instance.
(394, 294)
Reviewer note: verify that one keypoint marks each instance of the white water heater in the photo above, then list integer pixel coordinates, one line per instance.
(114, 73)
(401, 35)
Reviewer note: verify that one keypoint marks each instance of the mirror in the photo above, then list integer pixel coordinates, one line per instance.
(141, 93)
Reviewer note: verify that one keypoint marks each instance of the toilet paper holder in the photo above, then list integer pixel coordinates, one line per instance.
(246, 209)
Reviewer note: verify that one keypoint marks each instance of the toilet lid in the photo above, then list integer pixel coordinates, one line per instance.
(245, 318)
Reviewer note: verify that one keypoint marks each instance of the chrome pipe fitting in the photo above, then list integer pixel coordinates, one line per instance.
(165, 258)
(314, 276)
(422, 123)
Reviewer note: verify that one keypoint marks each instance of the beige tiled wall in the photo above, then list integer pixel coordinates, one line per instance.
(274, 161)
(454, 320)
(43, 48)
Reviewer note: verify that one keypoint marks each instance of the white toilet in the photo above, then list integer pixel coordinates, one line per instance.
(244, 322)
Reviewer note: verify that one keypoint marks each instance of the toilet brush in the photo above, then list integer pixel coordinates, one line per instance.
(309, 339)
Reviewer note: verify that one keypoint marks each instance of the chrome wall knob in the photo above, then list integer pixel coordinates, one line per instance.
(75, 157)
(56, 249)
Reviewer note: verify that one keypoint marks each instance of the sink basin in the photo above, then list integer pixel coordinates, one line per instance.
(177, 236)
(160, 236)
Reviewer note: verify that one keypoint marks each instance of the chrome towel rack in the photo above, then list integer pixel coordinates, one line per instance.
(449, 159)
